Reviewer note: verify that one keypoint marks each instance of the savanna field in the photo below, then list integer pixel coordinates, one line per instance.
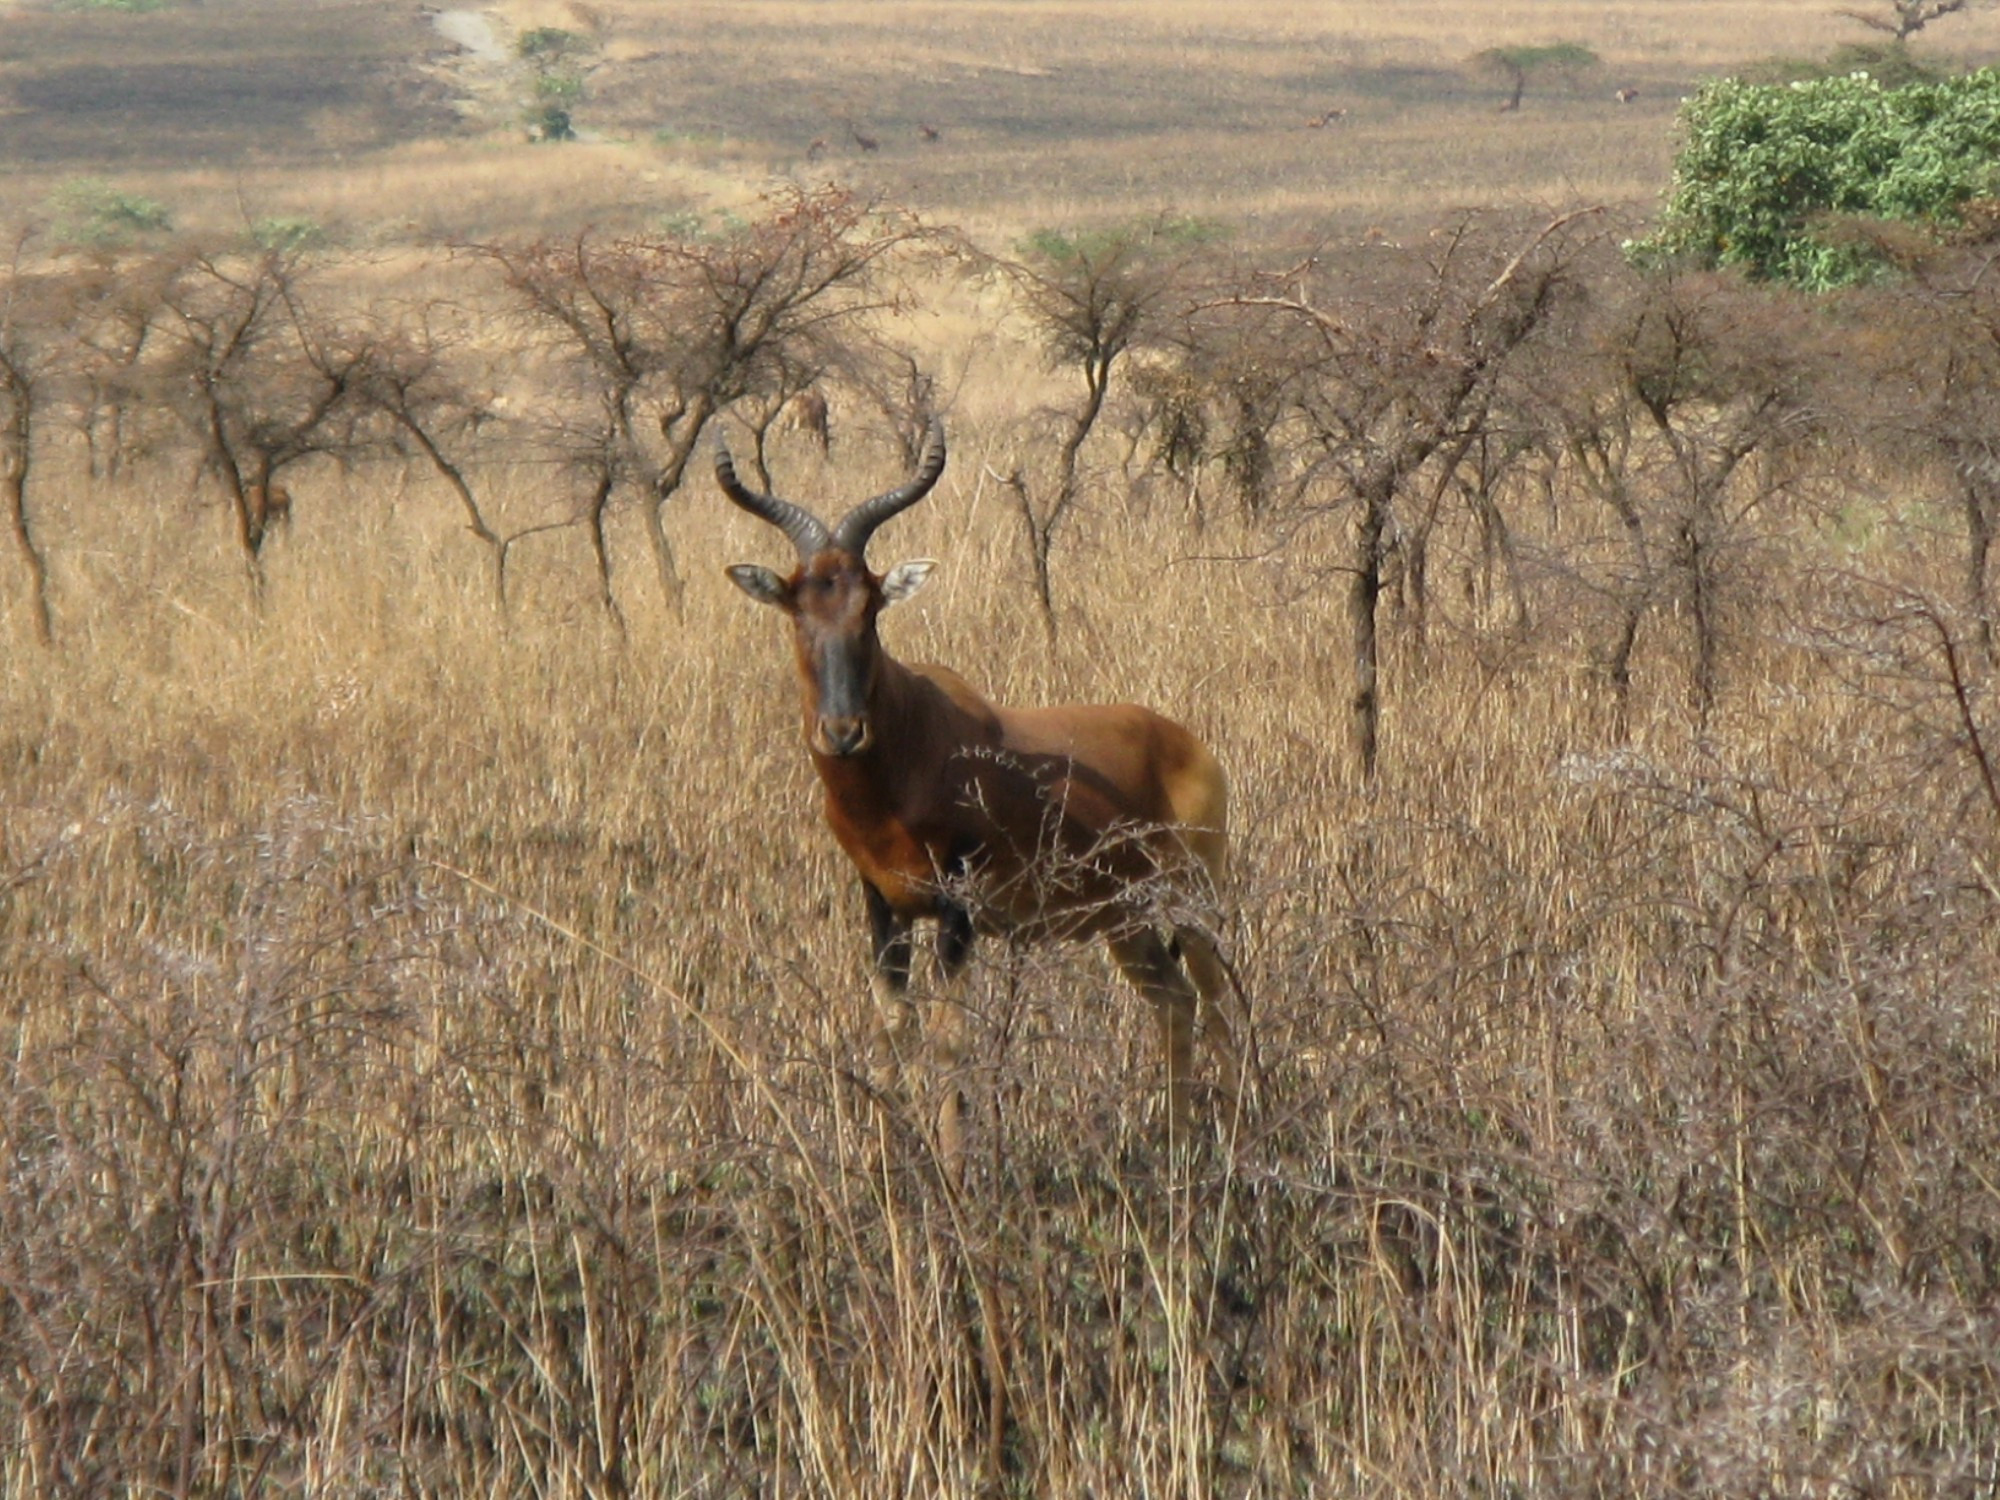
(438, 1045)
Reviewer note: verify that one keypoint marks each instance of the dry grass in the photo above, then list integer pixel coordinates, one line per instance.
(437, 1055)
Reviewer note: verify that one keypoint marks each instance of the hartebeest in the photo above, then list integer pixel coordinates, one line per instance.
(1068, 822)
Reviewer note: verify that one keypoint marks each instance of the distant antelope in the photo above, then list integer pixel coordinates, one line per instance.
(817, 149)
(930, 133)
(270, 503)
(1070, 822)
(865, 142)
(1324, 118)
(266, 510)
(807, 413)
(1626, 95)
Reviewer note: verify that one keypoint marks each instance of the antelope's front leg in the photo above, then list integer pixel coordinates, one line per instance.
(954, 947)
(948, 1033)
(898, 1033)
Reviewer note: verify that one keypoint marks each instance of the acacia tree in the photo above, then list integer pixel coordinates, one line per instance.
(236, 360)
(1090, 300)
(1596, 425)
(31, 353)
(655, 336)
(1921, 381)
(409, 385)
(1402, 379)
(1903, 19)
(1693, 407)
(112, 319)
(1215, 399)
(1517, 63)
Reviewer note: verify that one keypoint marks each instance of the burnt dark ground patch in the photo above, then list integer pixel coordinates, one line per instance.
(214, 85)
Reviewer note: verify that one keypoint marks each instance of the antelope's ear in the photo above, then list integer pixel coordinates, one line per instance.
(905, 579)
(761, 584)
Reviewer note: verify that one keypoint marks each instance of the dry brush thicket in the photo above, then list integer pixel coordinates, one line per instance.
(437, 1054)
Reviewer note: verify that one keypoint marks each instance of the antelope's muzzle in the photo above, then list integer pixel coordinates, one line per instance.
(843, 736)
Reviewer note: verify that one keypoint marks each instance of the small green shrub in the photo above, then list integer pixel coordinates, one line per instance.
(557, 86)
(550, 122)
(90, 211)
(683, 224)
(288, 232)
(1166, 234)
(563, 88)
(548, 43)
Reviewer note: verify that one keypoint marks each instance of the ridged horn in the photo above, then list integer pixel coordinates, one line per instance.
(859, 524)
(807, 531)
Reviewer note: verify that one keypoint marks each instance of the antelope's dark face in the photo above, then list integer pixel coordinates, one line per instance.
(833, 602)
(832, 599)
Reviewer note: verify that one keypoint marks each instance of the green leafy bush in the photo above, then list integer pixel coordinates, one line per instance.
(548, 42)
(288, 232)
(1164, 235)
(550, 122)
(562, 88)
(1764, 166)
(90, 211)
(557, 85)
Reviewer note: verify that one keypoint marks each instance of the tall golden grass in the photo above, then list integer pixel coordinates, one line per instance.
(438, 1053)
(436, 1049)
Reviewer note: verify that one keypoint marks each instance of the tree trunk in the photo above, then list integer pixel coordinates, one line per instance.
(1364, 595)
(692, 424)
(1610, 485)
(600, 549)
(1704, 614)
(475, 520)
(14, 466)
(665, 567)
(1040, 537)
(1978, 549)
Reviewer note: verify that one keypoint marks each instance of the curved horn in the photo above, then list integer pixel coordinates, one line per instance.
(807, 531)
(859, 524)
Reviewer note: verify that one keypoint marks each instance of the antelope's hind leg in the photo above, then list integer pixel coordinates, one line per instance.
(1182, 981)
(1149, 964)
(1225, 1017)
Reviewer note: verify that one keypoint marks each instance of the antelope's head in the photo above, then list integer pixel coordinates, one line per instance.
(831, 597)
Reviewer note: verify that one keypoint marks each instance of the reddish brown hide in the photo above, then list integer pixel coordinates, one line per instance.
(1086, 820)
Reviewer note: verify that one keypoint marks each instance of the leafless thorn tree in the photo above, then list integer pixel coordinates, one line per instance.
(1903, 19)
(1091, 300)
(239, 362)
(408, 382)
(655, 336)
(1396, 382)
(31, 349)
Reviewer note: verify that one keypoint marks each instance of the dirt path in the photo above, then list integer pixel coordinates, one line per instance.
(478, 65)
(471, 30)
